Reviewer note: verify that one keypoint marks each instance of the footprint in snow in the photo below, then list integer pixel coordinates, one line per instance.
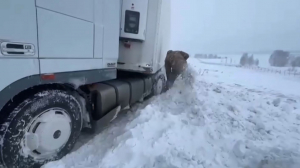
(276, 102)
(217, 90)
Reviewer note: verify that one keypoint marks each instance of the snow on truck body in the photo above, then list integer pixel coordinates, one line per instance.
(52, 50)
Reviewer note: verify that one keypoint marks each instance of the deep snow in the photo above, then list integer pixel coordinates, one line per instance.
(228, 117)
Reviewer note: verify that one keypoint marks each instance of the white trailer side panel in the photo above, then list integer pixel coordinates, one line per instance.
(162, 44)
(141, 7)
(141, 53)
(151, 51)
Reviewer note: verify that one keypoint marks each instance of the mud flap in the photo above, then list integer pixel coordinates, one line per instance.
(109, 117)
(104, 121)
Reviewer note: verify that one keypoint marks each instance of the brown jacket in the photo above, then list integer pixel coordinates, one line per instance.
(175, 64)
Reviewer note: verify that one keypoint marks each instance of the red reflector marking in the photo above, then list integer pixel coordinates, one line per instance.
(127, 45)
(48, 77)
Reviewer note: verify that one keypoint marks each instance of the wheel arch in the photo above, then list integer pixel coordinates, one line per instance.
(63, 80)
(17, 98)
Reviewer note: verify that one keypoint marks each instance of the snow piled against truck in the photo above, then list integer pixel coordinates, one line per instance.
(219, 120)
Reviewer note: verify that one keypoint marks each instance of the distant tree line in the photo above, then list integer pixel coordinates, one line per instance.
(207, 56)
(248, 60)
(280, 58)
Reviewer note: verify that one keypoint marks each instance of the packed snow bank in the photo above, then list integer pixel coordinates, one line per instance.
(199, 124)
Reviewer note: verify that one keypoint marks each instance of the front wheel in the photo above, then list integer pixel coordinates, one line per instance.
(42, 128)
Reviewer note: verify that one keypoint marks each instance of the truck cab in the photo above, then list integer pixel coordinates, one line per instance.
(72, 66)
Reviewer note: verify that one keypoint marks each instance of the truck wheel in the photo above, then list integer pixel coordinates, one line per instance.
(160, 84)
(42, 128)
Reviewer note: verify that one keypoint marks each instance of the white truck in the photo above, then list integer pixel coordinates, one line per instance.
(73, 65)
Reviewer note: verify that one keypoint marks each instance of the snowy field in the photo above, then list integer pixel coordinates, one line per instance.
(228, 117)
(234, 59)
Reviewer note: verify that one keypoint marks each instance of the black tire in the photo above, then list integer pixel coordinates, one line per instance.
(13, 131)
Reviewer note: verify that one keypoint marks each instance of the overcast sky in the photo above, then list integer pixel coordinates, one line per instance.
(230, 26)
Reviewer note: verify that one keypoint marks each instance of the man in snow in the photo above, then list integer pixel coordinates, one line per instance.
(175, 64)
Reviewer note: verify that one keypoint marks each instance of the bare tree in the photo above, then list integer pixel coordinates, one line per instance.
(244, 59)
(279, 58)
(250, 60)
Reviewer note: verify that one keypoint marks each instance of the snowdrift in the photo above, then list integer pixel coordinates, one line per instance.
(198, 124)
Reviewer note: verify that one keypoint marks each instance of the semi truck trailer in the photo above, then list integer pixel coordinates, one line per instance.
(69, 66)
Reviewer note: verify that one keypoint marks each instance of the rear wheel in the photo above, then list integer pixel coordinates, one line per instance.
(159, 84)
(42, 128)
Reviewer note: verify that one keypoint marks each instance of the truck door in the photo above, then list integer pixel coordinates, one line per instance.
(18, 40)
(18, 36)
(65, 28)
(66, 35)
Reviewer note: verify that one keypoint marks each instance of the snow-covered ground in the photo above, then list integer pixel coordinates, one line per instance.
(234, 59)
(228, 117)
